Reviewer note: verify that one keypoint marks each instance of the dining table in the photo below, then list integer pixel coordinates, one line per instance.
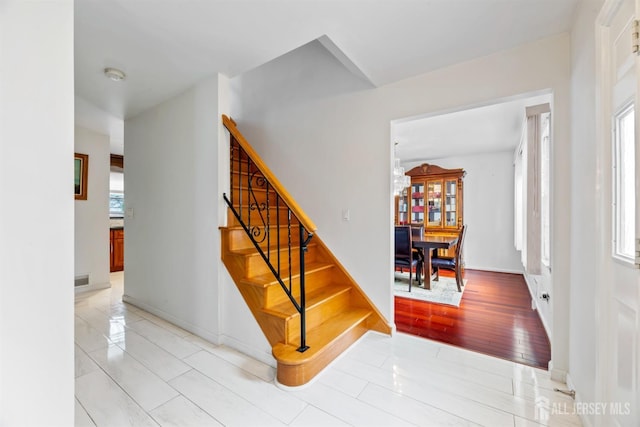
(428, 243)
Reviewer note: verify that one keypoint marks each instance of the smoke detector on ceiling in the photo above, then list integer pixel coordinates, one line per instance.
(114, 74)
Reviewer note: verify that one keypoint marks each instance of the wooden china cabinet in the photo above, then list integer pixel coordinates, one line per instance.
(435, 199)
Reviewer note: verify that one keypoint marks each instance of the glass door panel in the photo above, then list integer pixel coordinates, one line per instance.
(403, 211)
(451, 199)
(417, 202)
(434, 199)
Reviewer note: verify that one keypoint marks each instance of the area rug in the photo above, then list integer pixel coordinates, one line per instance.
(443, 291)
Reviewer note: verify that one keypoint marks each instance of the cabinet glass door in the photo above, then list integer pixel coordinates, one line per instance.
(434, 200)
(417, 202)
(451, 200)
(403, 211)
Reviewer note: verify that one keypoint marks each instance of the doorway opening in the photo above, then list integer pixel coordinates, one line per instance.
(501, 311)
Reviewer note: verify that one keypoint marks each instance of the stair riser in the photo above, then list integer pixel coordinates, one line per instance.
(274, 294)
(260, 217)
(255, 265)
(242, 180)
(247, 171)
(238, 238)
(243, 169)
(315, 316)
(237, 152)
(257, 196)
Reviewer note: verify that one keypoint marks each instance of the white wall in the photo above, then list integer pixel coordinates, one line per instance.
(327, 137)
(488, 209)
(238, 328)
(583, 323)
(36, 214)
(172, 242)
(598, 328)
(92, 215)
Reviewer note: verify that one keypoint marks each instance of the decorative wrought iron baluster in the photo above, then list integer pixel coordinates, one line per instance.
(231, 148)
(250, 206)
(268, 227)
(240, 178)
(289, 244)
(278, 227)
(303, 303)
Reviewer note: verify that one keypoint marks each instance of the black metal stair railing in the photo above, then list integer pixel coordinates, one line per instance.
(260, 210)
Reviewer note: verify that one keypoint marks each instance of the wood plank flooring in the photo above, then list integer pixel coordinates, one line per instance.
(494, 318)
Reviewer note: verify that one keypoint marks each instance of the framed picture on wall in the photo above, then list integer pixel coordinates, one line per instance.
(81, 172)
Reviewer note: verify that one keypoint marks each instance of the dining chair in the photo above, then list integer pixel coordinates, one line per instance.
(454, 263)
(417, 230)
(404, 253)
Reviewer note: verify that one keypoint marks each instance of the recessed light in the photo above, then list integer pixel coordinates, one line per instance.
(114, 74)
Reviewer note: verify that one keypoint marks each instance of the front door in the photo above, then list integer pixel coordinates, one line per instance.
(619, 276)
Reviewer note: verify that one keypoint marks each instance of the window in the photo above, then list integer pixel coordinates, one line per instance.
(624, 215)
(116, 205)
(532, 190)
(545, 187)
(519, 196)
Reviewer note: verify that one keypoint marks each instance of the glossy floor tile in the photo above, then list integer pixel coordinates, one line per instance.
(133, 368)
(181, 412)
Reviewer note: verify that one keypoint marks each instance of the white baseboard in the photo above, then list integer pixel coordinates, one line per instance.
(534, 303)
(187, 326)
(217, 339)
(534, 299)
(493, 269)
(393, 328)
(91, 287)
(262, 356)
(569, 382)
(586, 422)
(559, 375)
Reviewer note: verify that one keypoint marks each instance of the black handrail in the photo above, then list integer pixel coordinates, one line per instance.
(259, 227)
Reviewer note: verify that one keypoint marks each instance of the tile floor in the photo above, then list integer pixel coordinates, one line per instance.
(133, 368)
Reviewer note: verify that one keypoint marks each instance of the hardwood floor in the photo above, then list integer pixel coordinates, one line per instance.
(494, 318)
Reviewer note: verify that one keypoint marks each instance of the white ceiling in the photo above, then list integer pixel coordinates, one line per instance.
(165, 46)
(485, 129)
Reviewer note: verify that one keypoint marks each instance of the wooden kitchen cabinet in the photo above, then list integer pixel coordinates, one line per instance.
(117, 250)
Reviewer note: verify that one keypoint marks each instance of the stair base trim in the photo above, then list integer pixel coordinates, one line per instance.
(318, 376)
(291, 373)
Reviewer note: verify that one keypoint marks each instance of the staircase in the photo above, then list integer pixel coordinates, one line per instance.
(307, 305)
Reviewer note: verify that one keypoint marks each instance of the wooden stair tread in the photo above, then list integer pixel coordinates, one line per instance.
(253, 188)
(286, 310)
(244, 205)
(319, 339)
(244, 169)
(239, 227)
(251, 251)
(267, 279)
